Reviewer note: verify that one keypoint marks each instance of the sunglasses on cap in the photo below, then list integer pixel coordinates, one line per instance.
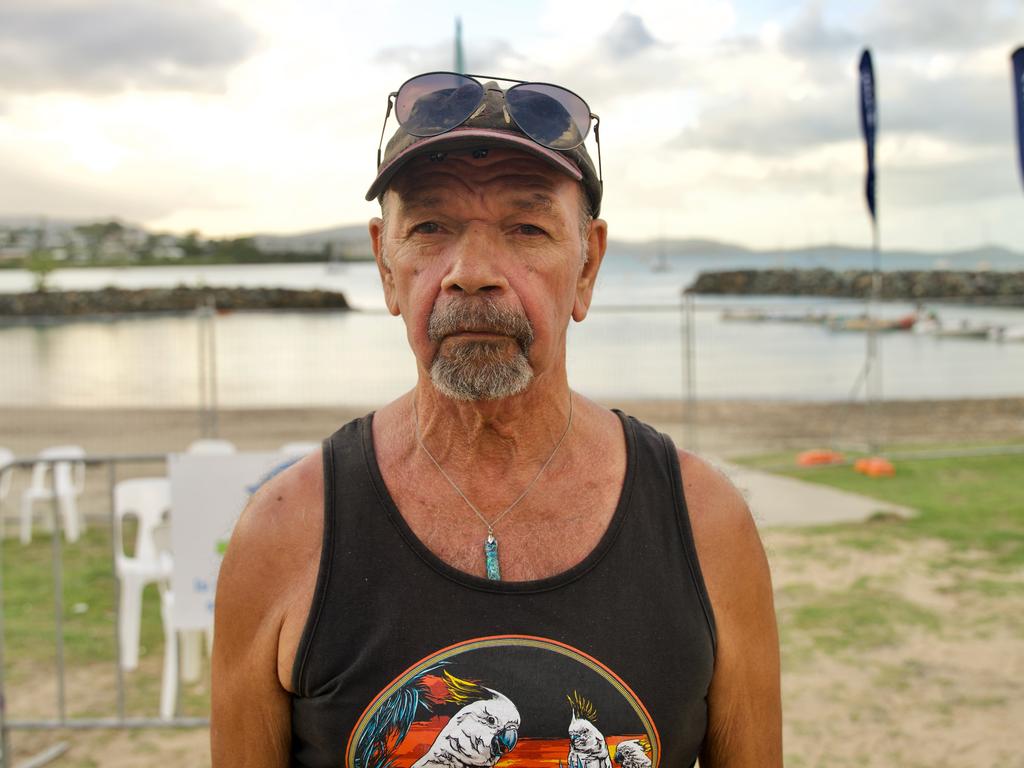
(437, 102)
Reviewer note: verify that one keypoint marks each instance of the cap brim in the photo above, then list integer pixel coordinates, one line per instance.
(470, 138)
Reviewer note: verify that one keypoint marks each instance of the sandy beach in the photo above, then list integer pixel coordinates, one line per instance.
(926, 696)
(723, 427)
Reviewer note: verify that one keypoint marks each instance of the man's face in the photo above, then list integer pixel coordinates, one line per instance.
(485, 261)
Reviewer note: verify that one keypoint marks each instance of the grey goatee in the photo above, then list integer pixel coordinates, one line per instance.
(483, 369)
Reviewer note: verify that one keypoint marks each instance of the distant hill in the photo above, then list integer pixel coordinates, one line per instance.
(352, 241)
(350, 237)
(979, 253)
(676, 247)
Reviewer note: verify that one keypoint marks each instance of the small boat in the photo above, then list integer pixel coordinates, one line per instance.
(660, 263)
(862, 323)
(759, 316)
(964, 331)
(744, 315)
(1006, 332)
(928, 324)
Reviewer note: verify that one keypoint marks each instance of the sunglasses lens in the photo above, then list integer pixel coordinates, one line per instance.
(551, 116)
(434, 103)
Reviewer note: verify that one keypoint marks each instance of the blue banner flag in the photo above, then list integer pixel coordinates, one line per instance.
(1018, 92)
(868, 123)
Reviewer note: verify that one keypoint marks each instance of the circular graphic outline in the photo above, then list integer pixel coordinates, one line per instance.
(491, 641)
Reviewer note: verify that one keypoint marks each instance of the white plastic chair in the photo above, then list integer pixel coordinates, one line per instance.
(6, 457)
(169, 681)
(299, 449)
(169, 678)
(211, 445)
(148, 499)
(68, 483)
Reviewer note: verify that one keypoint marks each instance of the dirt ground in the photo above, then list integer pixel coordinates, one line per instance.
(723, 427)
(940, 693)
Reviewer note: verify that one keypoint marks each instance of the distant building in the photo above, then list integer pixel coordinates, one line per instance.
(166, 247)
(12, 252)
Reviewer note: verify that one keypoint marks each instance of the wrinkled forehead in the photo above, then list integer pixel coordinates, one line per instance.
(498, 176)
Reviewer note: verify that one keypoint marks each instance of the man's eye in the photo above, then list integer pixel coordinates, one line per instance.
(530, 229)
(427, 228)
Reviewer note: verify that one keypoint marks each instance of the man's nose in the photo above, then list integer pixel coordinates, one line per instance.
(476, 263)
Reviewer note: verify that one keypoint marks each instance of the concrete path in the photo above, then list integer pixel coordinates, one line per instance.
(783, 501)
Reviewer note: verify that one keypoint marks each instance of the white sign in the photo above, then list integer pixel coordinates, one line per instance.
(208, 493)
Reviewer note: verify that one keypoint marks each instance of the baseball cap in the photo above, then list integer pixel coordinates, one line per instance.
(490, 126)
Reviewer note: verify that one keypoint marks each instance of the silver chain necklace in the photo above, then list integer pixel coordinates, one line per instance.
(491, 543)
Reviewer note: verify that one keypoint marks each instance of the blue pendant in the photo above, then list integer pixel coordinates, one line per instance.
(491, 555)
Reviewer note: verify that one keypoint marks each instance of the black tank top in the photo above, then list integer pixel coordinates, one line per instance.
(406, 661)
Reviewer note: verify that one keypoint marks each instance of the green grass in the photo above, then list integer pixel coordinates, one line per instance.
(972, 506)
(88, 601)
(859, 618)
(89, 621)
(975, 503)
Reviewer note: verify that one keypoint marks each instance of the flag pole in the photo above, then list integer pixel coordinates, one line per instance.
(1017, 60)
(874, 373)
(872, 362)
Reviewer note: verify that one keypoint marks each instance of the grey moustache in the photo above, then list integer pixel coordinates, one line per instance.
(479, 316)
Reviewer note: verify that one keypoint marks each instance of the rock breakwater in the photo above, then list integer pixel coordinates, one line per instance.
(65, 305)
(995, 288)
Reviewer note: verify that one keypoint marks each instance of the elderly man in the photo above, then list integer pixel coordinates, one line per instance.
(454, 568)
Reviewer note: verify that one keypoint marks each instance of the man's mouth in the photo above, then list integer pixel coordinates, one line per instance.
(478, 332)
(479, 322)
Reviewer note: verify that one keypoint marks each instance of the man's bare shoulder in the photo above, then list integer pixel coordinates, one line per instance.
(269, 571)
(276, 540)
(727, 540)
(285, 511)
(718, 512)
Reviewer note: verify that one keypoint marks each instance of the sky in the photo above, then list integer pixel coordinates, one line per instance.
(733, 120)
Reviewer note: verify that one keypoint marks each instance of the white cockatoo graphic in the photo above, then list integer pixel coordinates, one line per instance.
(632, 754)
(587, 747)
(477, 736)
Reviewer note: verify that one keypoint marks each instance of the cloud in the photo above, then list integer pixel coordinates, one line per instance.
(905, 26)
(797, 92)
(627, 36)
(32, 191)
(767, 127)
(941, 24)
(809, 36)
(493, 57)
(962, 108)
(968, 181)
(114, 45)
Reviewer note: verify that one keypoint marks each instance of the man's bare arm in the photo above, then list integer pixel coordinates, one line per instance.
(263, 594)
(744, 702)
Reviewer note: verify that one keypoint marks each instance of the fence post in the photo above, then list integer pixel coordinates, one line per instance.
(207, 368)
(114, 552)
(4, 741)
(689, 361)
(58, 597)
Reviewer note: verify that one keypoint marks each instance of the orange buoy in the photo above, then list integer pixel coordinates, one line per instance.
(875, 466)
(817, 458)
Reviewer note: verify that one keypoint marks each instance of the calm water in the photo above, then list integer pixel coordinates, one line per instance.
(621, 350)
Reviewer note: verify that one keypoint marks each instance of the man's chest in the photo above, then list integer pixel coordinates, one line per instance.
(547, 533)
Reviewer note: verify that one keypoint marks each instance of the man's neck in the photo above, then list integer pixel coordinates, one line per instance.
(503, 433)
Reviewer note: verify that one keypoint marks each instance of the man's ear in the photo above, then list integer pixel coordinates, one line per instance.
(597, 242)
(387, 278)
